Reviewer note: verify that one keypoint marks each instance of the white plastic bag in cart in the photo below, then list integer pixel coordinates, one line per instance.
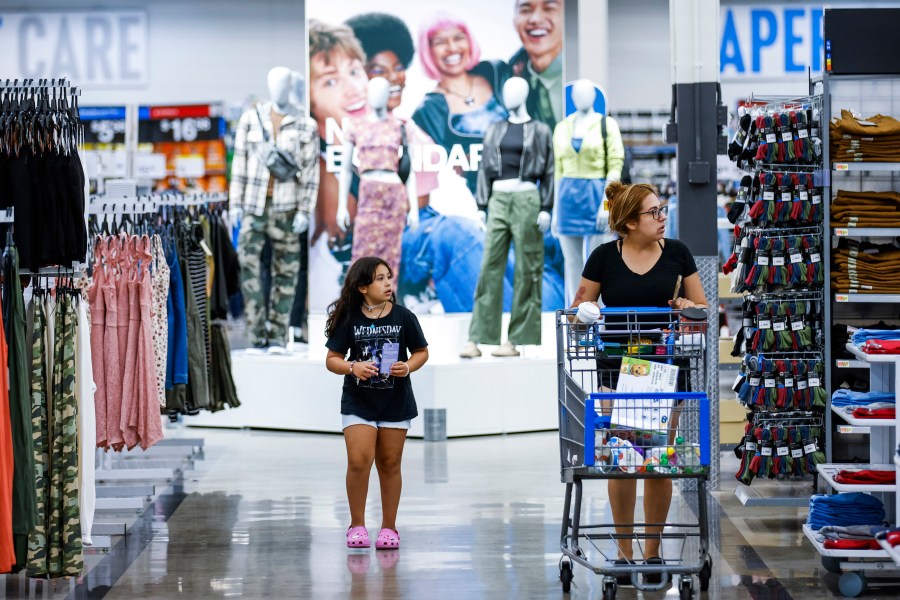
(623, 455)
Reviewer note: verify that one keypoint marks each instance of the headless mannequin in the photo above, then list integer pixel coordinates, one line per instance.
(575, 248)
(281, 88)
(268, 313)
(515, 93)
(378, 94)
(281, 84)
(378, 91)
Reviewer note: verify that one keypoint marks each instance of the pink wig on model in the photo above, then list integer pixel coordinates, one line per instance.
(431, 25)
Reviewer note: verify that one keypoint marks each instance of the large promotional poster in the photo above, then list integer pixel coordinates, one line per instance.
(446, 64)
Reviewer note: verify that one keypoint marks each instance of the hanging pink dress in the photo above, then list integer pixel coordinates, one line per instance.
(97, 305)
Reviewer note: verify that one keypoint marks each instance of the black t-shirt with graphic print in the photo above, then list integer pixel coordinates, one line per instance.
(382, 397)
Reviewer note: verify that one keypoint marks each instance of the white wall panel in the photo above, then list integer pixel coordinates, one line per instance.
(201, 50)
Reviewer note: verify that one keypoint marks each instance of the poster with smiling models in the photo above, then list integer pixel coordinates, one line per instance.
(443, 66)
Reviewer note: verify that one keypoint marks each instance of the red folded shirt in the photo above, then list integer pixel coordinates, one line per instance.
(862, 412)
(851, 545)
(881, 347)
(866, 477)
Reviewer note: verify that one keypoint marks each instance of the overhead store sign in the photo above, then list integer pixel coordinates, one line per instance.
(770, 41)
(97, 49)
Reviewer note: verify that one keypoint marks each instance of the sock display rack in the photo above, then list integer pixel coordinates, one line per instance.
(778, 267)
(855, 169)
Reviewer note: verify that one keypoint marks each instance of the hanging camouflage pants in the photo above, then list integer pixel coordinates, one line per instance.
(37, 539)
(64, 555)
(277, 227)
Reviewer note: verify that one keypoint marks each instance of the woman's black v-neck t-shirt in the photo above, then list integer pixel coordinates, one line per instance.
(620, 286)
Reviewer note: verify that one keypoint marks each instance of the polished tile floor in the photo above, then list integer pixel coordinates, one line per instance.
(264, 515)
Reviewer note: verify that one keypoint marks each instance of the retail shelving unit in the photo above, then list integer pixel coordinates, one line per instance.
(844, 433)
(794, 179)
(854, 565)
(652, 161)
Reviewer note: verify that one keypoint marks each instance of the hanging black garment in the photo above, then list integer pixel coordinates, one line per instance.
(227, 274)
(24, 492)
(24, 201)
(222, 391)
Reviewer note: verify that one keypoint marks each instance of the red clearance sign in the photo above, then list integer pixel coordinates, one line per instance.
(179, 112)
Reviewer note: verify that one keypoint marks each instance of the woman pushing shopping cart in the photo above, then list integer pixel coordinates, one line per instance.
(630, 400)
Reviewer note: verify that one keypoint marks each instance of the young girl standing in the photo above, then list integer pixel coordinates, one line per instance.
(375, 344)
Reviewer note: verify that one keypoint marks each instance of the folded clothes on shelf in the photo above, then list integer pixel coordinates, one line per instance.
(866, 477)
(858, 139)
(862, 335)
(854, 537)
(844, 397)
(881, 347)
(865, 209)
(868, 412)
(852, 532)
(851, 544)
(865, 268)
(854, 508)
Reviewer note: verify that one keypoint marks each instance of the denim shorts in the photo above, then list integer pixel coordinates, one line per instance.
(348, 420)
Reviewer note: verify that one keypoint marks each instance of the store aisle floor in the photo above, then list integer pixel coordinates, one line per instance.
(264, 516)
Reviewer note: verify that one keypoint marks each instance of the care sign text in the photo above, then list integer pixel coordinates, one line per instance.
(97, 49)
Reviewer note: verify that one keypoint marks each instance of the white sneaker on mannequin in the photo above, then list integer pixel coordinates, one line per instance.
(470, 350)
(505, 350)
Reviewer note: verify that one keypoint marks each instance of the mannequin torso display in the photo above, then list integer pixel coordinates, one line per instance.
(518, 116)
(515, 183)
(580, 216)
(383, 206)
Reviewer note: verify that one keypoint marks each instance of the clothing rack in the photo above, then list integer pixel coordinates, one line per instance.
(806, 417)
(798, 296)
(779, 103)
(782, 232)
(159, 198)
(795, 354)
(76, 272)
(790, 168)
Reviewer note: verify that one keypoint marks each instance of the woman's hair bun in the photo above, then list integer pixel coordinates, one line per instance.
(613, 188)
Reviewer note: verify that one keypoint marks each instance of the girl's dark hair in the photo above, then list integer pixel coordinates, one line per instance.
(378, 32)
(360, 273)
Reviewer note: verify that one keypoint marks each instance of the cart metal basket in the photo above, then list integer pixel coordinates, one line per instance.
(609, 434)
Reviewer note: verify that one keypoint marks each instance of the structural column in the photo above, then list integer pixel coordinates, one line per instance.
(694, 26)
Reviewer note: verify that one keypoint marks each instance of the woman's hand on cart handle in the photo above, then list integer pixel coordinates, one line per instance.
(682, 303)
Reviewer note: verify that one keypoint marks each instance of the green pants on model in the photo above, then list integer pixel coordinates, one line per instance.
(512, 217)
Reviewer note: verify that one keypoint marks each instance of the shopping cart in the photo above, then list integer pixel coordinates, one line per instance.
(605, 434)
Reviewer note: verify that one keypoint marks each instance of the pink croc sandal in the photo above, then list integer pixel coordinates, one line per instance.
(358, 537)
(388, 539)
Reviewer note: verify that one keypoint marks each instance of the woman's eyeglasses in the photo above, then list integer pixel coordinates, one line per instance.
(657, 213)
